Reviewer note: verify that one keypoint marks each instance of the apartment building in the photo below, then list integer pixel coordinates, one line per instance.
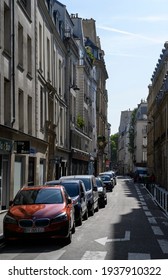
(158, 120)
(140, 135)
(48, 95)
(124, 156)
(22, 153)
(93, 44)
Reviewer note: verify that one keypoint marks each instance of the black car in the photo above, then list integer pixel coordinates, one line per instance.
(102, 192)
(76, 190)
(107, 181)
(91, 190)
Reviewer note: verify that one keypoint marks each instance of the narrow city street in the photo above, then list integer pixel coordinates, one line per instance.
(130, 227)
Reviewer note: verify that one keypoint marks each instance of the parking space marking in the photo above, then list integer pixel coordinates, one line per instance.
(139, 256)
(53, 255)
(152, 220)
(148, 213)
(163, 245)
(157, 230)
(94, 255)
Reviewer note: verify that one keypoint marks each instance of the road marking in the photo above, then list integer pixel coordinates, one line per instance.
(54, 255)
(163, 245)
(138, 256)
(94, 255)
(104, 240)
(148, 213)
(152, 220)
(145, 207)
(157, 230)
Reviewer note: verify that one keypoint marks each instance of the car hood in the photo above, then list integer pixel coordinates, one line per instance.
(36, 210)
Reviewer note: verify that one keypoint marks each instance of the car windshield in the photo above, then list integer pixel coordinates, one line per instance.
(87, 183)
(98, 182)
(105, 178)
(71, 188)
(39, 196)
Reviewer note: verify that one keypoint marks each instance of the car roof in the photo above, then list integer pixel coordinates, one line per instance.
(76, 176)
(41, 187)
(66, 181)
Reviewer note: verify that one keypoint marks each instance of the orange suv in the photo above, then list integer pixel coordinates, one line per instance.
(40, 211)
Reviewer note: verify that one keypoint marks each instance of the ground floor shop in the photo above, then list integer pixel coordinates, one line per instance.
(23, 161)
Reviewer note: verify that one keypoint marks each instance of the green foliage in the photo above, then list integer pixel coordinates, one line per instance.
(89, 53)
(80, 121)
(114, 147)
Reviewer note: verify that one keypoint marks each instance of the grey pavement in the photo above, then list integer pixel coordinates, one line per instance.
(2, 214)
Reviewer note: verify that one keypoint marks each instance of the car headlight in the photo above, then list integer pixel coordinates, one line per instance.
(100, 189)
(9, 220)
(61, 217)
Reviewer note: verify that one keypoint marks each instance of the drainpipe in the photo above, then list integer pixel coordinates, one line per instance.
(13, 63)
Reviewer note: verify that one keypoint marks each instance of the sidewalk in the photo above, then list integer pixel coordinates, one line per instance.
(2, 214)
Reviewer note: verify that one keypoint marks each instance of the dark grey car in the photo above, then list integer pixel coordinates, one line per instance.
(91, 191)
(76, 190)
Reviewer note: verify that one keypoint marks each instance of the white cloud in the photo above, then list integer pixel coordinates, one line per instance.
(147, 38)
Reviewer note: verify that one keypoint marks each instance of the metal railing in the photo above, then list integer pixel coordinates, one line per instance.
(159, 194)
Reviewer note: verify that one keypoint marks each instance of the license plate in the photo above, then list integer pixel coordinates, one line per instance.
(33, 230)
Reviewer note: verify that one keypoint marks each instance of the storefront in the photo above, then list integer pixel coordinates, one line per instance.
(5, 162)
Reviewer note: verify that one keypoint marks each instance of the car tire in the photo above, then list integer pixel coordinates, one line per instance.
(97, 208)
(86, 215)
(79, 222)
(91, 211)
(73, 228)
(68, 239)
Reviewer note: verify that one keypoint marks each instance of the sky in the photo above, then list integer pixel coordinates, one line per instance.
(132, 35)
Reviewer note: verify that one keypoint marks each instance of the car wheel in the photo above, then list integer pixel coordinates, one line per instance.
(86, 215)
(79, 222)
(73, 228)
(97, 208)
(68, 239)
(91, 212)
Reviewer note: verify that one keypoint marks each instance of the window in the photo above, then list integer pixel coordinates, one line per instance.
(42, 108)
(29, 55)
(48, 59)
(40, 47)
(29, 111)
(26, 5)
(60, 77)
(21, 110)
(7, 102)
(61, 126)
(7, 28)
(20, 45)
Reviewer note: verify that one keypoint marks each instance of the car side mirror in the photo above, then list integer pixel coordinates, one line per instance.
(69, 200)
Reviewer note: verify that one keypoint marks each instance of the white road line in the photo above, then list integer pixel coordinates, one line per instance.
(148, 213)
(54, 255)
(163, 245)
(152, 220)
(8, 256)
(157, 230)
(94, 255)
(138, 256)
(145, 207)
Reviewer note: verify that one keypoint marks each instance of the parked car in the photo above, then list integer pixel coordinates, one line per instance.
(40, 212)
(91, 191)
(76, 190)
(106, 178)
(102, 192)
(112, 175)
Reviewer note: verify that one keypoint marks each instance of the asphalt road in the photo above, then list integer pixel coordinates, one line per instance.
(130, 227)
